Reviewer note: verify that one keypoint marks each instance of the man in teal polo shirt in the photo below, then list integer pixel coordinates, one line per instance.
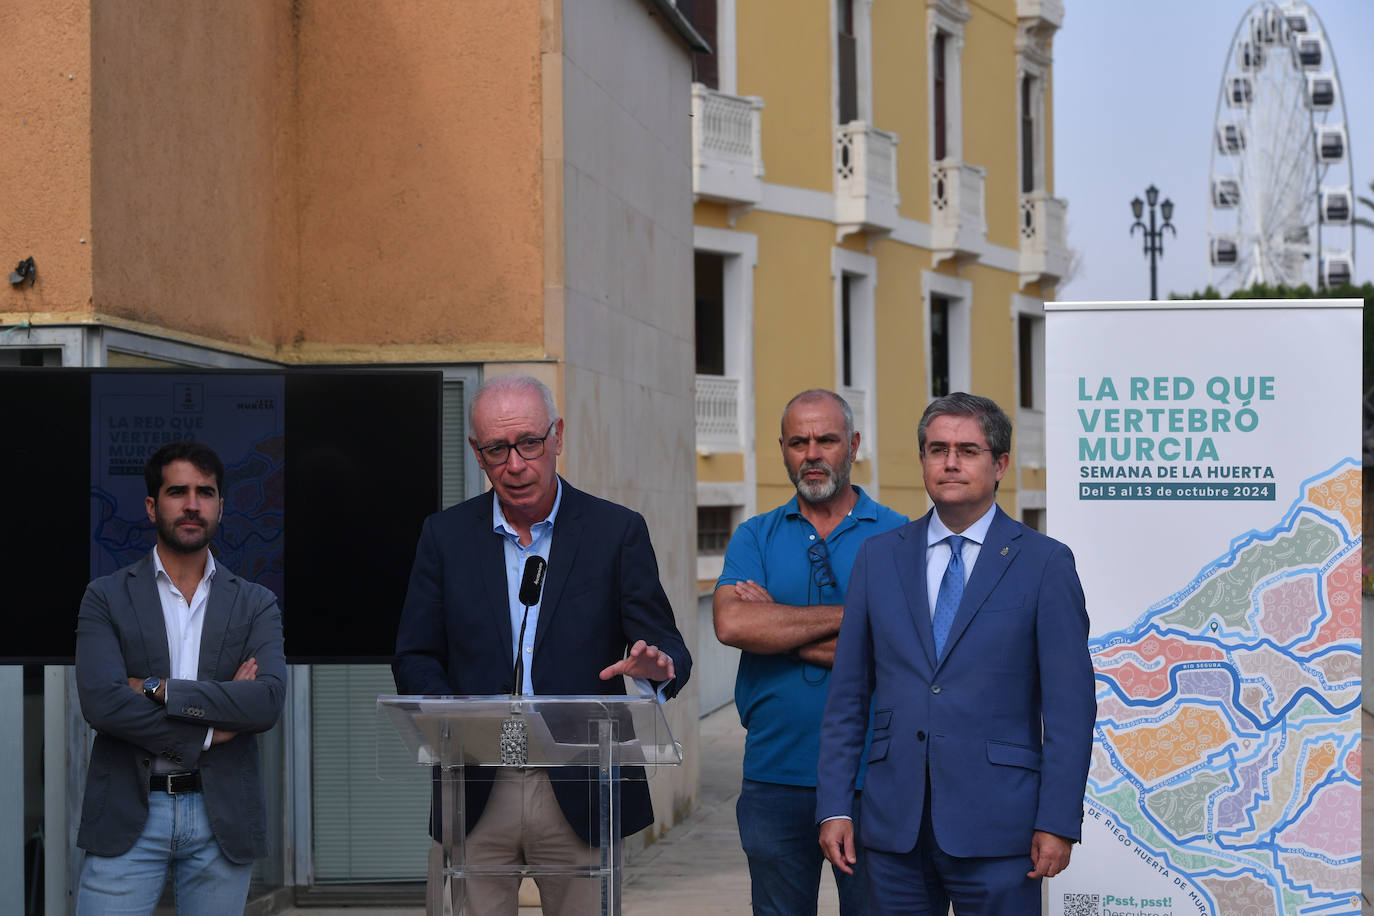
(780, 600)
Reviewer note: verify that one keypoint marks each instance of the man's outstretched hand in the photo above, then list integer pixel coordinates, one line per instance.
(646, 661)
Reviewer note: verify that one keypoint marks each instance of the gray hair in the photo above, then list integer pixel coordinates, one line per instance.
(995, 423)
(509, 384)
(816, 394)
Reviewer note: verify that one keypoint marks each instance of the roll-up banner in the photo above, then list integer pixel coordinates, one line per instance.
(1203, 463)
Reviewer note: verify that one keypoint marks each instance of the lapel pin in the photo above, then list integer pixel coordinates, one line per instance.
(1005, 551)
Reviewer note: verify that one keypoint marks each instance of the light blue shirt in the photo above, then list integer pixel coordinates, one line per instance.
(937, 553)
(516, 556)
(780, 698)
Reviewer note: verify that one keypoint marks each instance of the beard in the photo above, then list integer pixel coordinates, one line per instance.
(819, 491)
(185, 540)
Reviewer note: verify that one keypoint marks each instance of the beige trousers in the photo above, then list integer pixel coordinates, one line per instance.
(523, 825)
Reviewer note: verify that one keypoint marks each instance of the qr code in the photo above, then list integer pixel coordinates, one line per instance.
(1082, 905)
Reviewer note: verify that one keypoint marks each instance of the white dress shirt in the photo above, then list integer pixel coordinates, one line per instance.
(185, 621)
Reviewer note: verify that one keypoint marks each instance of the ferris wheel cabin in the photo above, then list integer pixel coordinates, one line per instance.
(1330, 144)
(1223, 251)
(1249, 56)
(1240, 92)
(1337, 206)
(1309, 51)
(1295, 19)
(1321, 92)
(1225, 193)
(1337, 269)
(1230, 139)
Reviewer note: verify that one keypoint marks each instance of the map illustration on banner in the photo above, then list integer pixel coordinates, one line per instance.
(1228, 756)
(242, 417)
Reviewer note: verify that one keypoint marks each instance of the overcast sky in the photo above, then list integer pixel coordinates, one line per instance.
(1135, 94)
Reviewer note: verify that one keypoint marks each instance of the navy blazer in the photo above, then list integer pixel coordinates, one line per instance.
(601, 594)
(120, 633)
(1002, 723)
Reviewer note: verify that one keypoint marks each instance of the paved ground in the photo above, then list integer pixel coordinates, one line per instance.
(699, 867)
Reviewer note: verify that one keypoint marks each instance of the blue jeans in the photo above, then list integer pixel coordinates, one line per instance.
(777, 828)
(176, 836)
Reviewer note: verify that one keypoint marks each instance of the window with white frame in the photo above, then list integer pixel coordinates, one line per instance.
(948, 350)
(1027, 134)
(1028, 314)
(725, 262)
(855, 342)
(714, 21)
(1032, 75)
(720, 509)
(715, 525)
(1030, 361)
(939, 346)
(702, 14)
(853, 56)
(709, 285)
(1031, 135)
(946, 44)
(939, 100)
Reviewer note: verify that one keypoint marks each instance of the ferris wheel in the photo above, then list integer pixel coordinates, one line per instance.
(1282, 188)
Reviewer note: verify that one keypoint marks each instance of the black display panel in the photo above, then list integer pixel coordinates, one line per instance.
(328, 477)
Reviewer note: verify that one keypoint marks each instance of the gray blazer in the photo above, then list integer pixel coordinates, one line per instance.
(120, 634)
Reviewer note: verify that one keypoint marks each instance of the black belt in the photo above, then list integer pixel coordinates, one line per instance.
(175, 783)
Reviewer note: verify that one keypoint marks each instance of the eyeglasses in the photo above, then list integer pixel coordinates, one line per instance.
(530, 447)
(821, 570)
(966, 451)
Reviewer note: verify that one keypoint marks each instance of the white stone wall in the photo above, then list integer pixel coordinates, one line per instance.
(627, 339)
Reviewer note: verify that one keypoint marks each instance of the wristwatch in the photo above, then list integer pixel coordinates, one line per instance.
(150, 686)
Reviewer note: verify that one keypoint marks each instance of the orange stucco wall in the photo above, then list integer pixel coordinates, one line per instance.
(438, 104)
(324, 180)
(45, 185)
(191, 167)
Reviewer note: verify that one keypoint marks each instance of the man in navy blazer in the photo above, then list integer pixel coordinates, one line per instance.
(602, 613)
(976, 668)
(179, 663)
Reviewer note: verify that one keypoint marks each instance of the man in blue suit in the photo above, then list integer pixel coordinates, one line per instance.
(601, 614)
(966, 634)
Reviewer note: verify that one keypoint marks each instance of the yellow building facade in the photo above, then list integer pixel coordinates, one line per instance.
(875, 215)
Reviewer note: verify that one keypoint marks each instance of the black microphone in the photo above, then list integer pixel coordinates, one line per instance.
(533, 582)
(530, 587)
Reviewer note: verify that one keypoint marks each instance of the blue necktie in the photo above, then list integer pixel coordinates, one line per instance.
(951, 593)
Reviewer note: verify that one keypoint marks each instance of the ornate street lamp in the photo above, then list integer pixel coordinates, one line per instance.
(1153, 237)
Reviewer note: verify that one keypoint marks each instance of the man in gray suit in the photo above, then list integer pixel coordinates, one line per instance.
(179, 663)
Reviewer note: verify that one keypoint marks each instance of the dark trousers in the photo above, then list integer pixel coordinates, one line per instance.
(925, 881)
